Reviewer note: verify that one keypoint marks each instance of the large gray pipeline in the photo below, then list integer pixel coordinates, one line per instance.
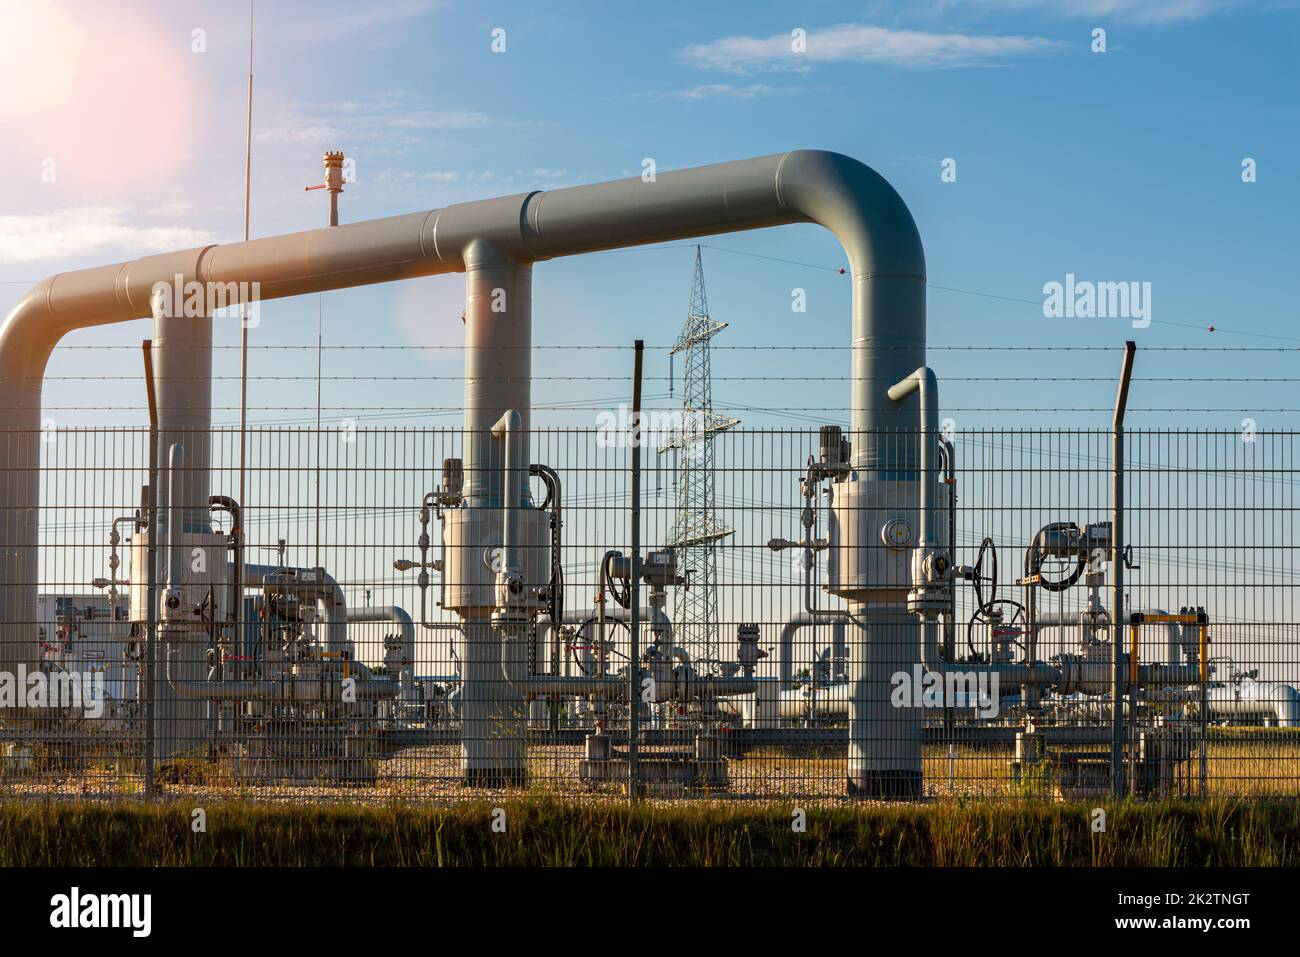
(858, 205)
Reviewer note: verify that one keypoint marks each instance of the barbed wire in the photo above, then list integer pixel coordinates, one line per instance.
(713, 346)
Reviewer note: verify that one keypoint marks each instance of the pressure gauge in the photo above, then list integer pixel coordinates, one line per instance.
(897, 533)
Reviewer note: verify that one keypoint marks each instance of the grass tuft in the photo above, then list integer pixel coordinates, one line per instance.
(554, 832)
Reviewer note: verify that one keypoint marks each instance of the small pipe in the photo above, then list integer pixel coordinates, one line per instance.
(793, 625)
(930, 657)
(399, 617)
(602, 582)
(950, 478)
(174, 584)
(703, 687)
(507, 429)
(809, 498)
(422, 580)
(228, 504)
(114, 562)
(923, 380)
(551, 479)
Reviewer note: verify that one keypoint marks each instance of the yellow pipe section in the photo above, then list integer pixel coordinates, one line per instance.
(1133, 659)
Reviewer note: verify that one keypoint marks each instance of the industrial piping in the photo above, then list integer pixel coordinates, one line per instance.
(315, 584)
(406, 628)
(495, 243)
(795, 624)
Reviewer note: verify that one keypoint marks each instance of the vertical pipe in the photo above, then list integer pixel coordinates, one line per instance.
(1205, 718)
(498, 371)
(183, 381)
(1117, 596)
(950, 479)
(508, 432)
(151, 573)
(498, 365)
(634, 658)
(182, 361)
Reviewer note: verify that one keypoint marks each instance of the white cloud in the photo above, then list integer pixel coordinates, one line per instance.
(472, 177)
(858, 43)
(321, 25)
(438, 120)
(1136, 11)
(293, 133)
(422, 176)
(388, 119)
(80, 230)
(721, 91)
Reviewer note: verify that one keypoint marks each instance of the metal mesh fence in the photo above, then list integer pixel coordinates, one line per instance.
(317, 665)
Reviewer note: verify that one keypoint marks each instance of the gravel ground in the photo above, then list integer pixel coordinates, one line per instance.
(433, 775)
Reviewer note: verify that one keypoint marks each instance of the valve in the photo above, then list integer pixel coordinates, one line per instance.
(748, 653)
(931, 581)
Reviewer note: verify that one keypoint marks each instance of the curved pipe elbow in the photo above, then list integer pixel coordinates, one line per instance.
(514, 668)
(315, 583)
(924, 381)
(859, 206)
(398, 616)
(792, 627)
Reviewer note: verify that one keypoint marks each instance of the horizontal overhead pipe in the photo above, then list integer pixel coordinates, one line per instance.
(495, 243)
(872, 223)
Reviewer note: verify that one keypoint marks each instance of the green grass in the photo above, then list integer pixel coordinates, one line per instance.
(553, 832)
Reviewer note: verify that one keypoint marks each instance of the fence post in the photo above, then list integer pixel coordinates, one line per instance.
(634, 664)
(1117, 562)
(151, 574)
(1204, 650)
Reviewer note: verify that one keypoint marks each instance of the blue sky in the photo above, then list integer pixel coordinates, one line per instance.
(1115, 166)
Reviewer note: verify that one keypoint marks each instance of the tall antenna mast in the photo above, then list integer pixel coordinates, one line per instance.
(243, 312)
(696, 529)
(320, 327)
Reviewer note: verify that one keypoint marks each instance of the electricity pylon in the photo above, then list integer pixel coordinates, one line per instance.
(696, 530)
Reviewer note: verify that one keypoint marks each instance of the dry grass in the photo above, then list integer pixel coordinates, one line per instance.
(548, 832)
